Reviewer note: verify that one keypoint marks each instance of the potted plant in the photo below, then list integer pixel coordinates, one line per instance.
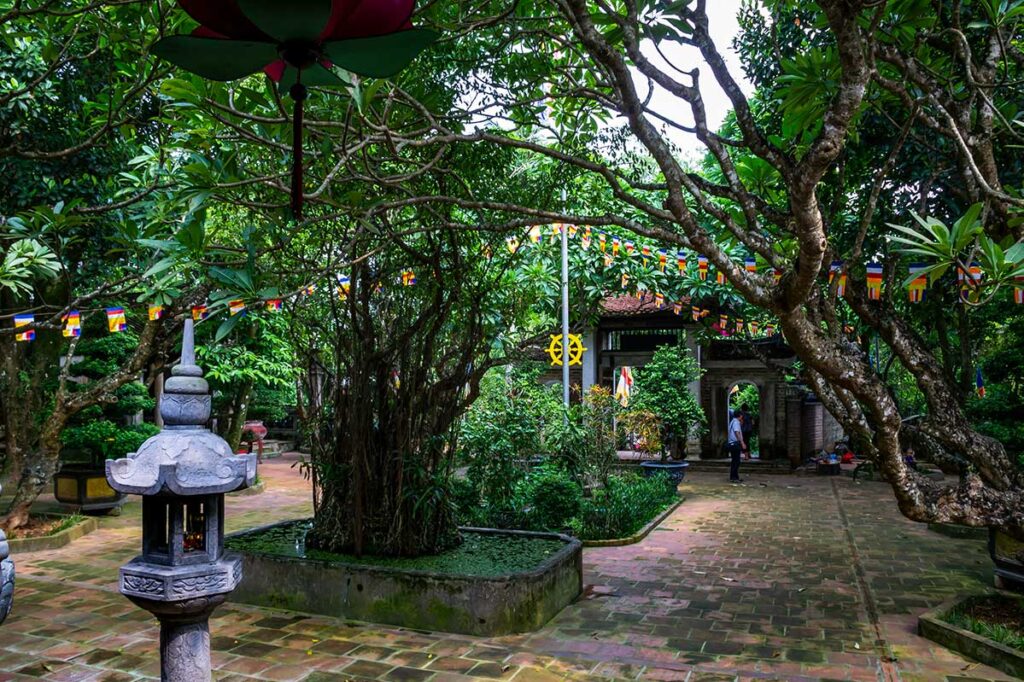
(665, 410)
(101, 432)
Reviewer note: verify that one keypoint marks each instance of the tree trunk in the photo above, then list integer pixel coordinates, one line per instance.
(37, 473)
(239, 411)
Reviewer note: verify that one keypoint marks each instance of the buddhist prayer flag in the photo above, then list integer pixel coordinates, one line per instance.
(72, 324)
(979, 383)
(919, 284)
(615, 247)
(155, 312)
(512, 244)
(535, 234)
(659, 299)
(556, 231)
(21, 321)
(769, 329)
(309, 290)
(585, 240)
(702, 267)
(739, 325)
(624, 386)
(274, 305)
(1018, 289)
(662, 259)
(681, 261)
(486, 250)
(573, 229)
(677, 307)
(723, 321)
(836, 270)
(607, 259)
(874, 281)
(695, 311)
(705, 312)
(969, 282)
(236, 307)
(776, 275)
(408, 278)
(625, 280)
(602, 241)
(646, 252)
(199, 312)
(116, 321)
(754, 326)
(344, 285)
(630, 248)
(750, 264)
(720, 277)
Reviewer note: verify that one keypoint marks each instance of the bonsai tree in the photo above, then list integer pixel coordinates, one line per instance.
(662, 389)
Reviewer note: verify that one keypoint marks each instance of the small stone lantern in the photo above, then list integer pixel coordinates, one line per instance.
(6, 578)
(182, 474)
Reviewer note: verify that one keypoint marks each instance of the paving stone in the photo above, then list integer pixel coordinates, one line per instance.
(748, 582)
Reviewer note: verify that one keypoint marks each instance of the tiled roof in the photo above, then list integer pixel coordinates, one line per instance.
(629, 305)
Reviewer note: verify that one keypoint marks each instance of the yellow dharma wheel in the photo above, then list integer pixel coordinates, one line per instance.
(575, 350)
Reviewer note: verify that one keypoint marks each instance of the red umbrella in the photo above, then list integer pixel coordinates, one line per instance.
(296, 43)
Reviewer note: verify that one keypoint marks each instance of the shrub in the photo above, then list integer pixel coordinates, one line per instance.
(625, 505)
(662, 389)
(549, 498)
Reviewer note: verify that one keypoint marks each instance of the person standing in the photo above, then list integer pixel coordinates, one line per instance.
(735, 445)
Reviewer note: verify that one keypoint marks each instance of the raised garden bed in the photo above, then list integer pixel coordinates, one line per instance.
(495, 583)
(640, 534)
(64, 530)
(985, 627)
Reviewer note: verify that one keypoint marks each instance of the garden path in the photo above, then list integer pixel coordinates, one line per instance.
(788, 578)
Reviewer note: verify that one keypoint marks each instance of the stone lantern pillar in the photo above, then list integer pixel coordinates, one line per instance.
(182, 473)
(6, 578)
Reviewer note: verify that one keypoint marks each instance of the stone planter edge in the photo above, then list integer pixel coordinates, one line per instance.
(48, 542)
(640, 534)
(1001, 657)
(542, 591)
(571, 544)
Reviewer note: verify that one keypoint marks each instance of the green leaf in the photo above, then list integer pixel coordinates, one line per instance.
(292, 20)
(216, 59)
(380, 56)
(225, 327)
(315, 75)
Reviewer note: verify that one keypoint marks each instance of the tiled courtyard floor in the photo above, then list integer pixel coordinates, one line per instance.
(783, 578)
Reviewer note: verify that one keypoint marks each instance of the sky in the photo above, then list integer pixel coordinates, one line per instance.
(723, 27)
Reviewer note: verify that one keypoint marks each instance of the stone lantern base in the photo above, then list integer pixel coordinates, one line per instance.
(182, 599)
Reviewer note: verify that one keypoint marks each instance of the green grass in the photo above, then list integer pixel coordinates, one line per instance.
(969, 617)
(479, 554)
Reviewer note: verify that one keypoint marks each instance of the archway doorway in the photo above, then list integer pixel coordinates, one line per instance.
(745, 398)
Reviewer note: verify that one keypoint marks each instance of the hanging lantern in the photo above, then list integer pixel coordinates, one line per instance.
(296, 44)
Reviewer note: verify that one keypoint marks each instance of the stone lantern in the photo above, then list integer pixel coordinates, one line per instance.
(6, 578)
(182, 474)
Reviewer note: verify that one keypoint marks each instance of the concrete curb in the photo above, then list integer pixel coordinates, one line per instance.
(640, 534)
(1001, 657)
(22, 545)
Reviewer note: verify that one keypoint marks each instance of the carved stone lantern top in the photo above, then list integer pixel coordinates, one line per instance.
(185, 458)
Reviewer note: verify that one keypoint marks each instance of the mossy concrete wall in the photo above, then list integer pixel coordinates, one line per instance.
(473, 605)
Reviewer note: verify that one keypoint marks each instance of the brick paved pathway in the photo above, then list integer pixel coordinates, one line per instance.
(784, 578)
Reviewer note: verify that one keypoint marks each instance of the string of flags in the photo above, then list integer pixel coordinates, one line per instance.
(917, 285)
